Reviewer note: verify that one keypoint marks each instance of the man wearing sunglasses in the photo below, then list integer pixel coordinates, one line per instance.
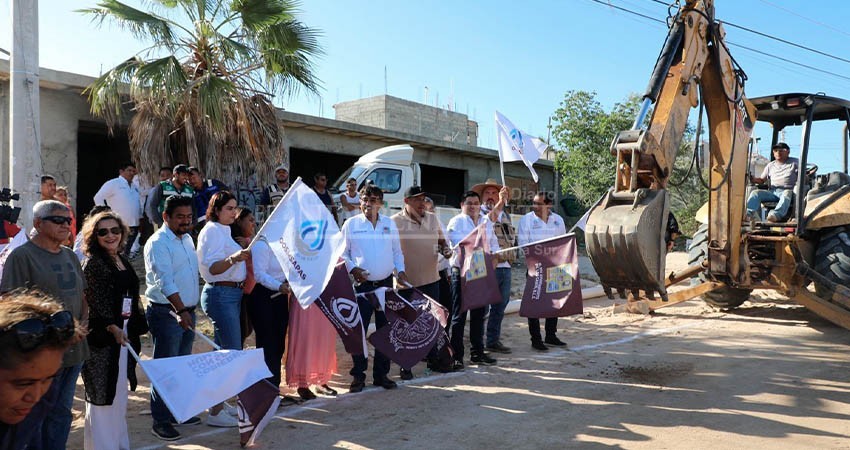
(44, 264)
(34, 334)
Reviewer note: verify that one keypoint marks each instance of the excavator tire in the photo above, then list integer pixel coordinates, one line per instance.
(833, 259)
(726, 297)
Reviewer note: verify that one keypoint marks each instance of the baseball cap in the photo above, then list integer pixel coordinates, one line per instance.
(413, 191)
(282, 166)
(181, 168)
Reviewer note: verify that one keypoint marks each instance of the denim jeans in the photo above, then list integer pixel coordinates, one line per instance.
(134, 232)
(476, 322)
(169, 339)
(222, 304)
(361, 362)
(780, 195)
(497, 310)
(57, 424)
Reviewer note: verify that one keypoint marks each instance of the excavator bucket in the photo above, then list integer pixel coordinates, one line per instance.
(625, 241)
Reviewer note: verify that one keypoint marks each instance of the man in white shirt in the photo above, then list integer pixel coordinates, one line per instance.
(123, 197)
(372, 253)
(494, 198)
(541, 223)
(459, 227)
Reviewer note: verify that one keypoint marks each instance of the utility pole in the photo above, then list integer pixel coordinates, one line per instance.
(24, 123)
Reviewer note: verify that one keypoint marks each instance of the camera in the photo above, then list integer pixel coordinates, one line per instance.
(8, 212)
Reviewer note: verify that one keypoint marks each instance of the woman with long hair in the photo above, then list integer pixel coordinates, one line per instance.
(221, 261)
(112, 292)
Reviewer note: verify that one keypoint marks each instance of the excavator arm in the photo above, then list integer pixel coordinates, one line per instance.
(625, 231)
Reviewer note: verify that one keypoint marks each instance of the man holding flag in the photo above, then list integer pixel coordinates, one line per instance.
(460, 226)
(541, 223)
(372, 252)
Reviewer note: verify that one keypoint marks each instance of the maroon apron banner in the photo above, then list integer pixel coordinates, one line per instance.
(404, 341)
(339, 305)
(478, 284)
(256, 406)
(553, 286)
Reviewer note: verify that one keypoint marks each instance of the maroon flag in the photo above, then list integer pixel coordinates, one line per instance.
(478, 284)
(410, 332)
(553, 287)
(256, 406)
(339, 305)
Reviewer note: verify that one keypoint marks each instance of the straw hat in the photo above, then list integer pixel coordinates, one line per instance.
(479, 188)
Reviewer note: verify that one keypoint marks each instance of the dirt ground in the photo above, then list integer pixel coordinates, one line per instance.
(769, 374)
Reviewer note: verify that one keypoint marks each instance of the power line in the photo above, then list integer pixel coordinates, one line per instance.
(789, 11)
(775, 38)
(728, 42)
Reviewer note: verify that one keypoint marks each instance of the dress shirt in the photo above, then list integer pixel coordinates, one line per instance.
(216, 244)
(461, 225)
(375, 249)
(504, 218)
(171, 266)
(532, 228)
(122, 197)
(267, 270)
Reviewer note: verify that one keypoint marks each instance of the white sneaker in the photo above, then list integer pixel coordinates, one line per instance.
(222, 420)
(230, 409)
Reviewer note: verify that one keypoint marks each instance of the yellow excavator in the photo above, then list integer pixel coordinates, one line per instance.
(734, 252)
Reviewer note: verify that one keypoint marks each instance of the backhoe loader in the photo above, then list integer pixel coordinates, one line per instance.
(734, 252)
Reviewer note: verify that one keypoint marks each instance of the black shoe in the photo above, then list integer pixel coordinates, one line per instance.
(192, 421)
(498, 347)
(306, 393)
(553, 340)
(326, 390)
(406, 374)
(165, 431)
(457, 366)
(386, 383)
(356, 386)
(538, 345)
(483, 359)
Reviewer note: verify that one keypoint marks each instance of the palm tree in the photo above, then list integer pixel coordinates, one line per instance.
(201, 93)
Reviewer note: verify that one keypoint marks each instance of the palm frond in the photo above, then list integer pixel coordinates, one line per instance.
(108, 92)
(287, 50)
(141, 24)
(256, 15)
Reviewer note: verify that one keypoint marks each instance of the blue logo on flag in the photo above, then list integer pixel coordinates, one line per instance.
(516, 136)
(313, 236)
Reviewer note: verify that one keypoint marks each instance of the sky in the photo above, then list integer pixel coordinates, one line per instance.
(519, 58)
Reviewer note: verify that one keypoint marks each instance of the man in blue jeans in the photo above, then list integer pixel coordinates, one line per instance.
(171, 268)
(782, 174)
(44, 264)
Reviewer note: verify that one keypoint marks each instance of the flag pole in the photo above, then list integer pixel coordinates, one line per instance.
(542, 241)
(263, 227)
(586, 215)
(201, 335)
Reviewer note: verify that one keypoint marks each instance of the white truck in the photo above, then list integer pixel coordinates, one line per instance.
(393, 170)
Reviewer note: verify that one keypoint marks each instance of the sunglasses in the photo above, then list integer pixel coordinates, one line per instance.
(58, 220)
(31, 333)
(102, 232)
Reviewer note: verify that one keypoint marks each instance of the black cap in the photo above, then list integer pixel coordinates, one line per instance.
(413, 191)
(181, 168)
(781, 145)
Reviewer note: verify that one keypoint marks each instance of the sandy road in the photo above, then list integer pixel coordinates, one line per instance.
(768, 375)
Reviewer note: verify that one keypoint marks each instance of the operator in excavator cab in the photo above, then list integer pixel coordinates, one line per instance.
(782, 175)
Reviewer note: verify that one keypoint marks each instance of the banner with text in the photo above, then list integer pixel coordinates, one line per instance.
(553, 286)
(339, 304)
(478, 284)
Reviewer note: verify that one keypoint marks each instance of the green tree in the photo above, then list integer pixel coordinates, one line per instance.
(584, 130)
(201, 92)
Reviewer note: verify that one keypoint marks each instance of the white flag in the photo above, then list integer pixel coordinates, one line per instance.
(305, 239)
(515, 145)
(192, 383)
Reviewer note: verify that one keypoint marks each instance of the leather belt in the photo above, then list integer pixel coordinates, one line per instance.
(233, 284)
(170, 306)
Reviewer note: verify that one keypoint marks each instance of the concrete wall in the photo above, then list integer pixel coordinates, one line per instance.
(61, 109)
(396, 114)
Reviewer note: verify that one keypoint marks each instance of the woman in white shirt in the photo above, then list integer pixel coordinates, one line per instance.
(221, 261)
(349, 200)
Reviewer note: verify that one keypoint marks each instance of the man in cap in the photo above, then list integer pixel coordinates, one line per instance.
(422, 240)
(494, 197)
(274, 192)
(782, 175)
(177, 185)
(204, 190)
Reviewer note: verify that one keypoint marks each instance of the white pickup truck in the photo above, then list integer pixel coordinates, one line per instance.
(393, 170)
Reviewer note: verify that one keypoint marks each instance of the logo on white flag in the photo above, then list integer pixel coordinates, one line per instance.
(312, 237)
(516, 136)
